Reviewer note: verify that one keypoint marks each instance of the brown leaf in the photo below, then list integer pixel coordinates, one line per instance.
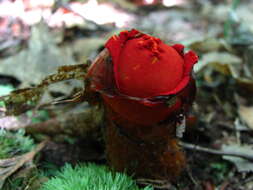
(206, 45)
(246, 114)
(221, 61)
(241, 164)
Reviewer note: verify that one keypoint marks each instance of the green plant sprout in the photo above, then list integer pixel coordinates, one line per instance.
(90, 177)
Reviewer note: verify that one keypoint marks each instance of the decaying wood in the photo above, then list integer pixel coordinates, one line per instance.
(81, 123)
(22, 100)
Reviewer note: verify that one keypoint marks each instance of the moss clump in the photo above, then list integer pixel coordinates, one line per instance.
(90, 177)
(14, 143)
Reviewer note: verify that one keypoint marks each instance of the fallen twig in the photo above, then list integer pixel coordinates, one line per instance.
(158, 184)
(217, 152)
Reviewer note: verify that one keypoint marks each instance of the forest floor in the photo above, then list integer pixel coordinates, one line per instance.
(220, 123)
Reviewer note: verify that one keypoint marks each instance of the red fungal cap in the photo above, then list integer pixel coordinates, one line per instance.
(145, 67)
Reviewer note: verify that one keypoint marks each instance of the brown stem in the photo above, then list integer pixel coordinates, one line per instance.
(145, 151)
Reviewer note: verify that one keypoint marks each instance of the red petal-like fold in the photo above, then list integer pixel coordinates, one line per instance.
(140, 114)
(179, 48)
(144, 66)
(190, 58)
(116, 43)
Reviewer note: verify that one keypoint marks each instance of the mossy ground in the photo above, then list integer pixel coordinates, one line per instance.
(90, 177)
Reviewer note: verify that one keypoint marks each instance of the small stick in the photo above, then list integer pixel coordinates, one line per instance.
(217, 152)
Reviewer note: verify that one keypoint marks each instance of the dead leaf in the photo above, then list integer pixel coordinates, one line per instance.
(11, 165)
(206, 45)
(221, 61)
(241, 164)
(245, 83)
(40, 59)
(246, 114)
(83, 48)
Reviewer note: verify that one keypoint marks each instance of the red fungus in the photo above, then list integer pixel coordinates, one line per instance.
(147, 87)
(145, 67)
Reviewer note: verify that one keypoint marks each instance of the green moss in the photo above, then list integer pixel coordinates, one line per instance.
(14, 143)
(90, 177)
